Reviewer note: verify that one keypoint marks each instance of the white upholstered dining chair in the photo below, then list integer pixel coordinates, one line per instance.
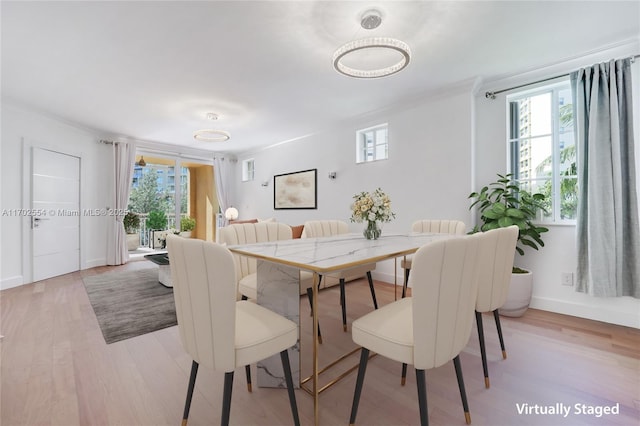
(329, 228)
(455, 227)
(431, 327)
(497, 250)
(216, 330)
(250, 233)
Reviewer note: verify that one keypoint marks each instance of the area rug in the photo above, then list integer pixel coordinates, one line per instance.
(130, 303)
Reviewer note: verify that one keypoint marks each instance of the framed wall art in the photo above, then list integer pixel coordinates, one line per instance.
(296, 190)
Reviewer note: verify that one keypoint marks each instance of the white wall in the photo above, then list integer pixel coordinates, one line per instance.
(559, 253)
(427, 175)
(20, 125)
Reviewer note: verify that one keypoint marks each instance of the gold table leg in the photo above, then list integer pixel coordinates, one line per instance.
(316, 394)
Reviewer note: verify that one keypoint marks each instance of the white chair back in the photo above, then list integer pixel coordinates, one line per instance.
(324, 228)
(497, 250)
(444, 282)
(439, 226)
(204, 289)
(249, 233)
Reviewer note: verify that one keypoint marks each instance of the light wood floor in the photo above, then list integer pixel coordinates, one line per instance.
(57, 370)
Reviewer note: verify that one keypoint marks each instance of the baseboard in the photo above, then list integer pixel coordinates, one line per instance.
(604, 314)
(608, 315)
(95, 262)
(11, 282)
(388, 278)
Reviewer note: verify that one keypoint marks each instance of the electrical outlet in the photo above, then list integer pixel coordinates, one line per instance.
(567, 279)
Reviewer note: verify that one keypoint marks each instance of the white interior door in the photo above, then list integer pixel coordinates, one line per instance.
(55, 200)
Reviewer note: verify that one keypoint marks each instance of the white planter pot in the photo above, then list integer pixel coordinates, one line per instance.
(133, 242)
(519, 296)
(185, 234)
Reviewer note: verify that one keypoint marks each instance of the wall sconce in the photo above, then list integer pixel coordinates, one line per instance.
(332, 175)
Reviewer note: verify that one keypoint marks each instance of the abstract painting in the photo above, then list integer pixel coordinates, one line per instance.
(297, 190)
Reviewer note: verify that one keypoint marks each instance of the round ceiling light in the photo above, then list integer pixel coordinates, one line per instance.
(211, 135)
(373, 52)
(372, 43)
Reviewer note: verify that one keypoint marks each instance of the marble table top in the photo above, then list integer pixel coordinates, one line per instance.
(337, 252)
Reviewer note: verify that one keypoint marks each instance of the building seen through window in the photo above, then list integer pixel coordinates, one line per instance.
(542, 147)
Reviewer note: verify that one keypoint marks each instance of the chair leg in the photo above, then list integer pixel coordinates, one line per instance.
(226, 398)
(247, 370)
(463, 393)
(373, 291)
(403, 377)
(483, 350)
(286, 366)
(496, 316)
(343, 302)
(319, 282)
(310, 297)
(406, 282)
(310, 294)
(422, 397)
(192, 384)
(364, 358)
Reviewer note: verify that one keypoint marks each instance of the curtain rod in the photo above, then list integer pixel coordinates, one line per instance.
(492, 95)
(106, 142)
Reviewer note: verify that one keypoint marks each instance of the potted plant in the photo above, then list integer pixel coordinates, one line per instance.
(156, 221)
(503, 203)
(131, 222)
(187, 224)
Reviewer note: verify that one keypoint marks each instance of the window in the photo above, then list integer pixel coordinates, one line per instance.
(372, 144)
(542, 147)
(248, 170)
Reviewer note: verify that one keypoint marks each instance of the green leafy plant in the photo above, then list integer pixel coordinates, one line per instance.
(187, 224)
(131, 222)
(156, 220)
(503, 203)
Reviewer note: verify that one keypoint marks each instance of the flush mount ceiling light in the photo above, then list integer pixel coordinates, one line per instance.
(211, 135)
(399, 50)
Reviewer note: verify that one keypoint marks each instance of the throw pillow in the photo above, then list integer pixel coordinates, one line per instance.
(296, 231)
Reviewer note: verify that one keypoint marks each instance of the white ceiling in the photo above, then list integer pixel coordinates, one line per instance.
(152, 70)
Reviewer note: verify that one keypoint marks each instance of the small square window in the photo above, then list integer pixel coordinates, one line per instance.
(248, 170)
(372, 144)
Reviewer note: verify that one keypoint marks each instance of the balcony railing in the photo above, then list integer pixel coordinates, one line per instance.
(145, 234)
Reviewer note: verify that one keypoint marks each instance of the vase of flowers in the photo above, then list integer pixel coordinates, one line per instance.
(372, 209)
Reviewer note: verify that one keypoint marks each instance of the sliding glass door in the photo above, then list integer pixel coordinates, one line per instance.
(172, 195)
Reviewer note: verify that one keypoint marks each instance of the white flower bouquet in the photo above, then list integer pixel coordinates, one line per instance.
(372, 208)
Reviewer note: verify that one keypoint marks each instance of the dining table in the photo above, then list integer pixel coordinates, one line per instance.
(278, 286)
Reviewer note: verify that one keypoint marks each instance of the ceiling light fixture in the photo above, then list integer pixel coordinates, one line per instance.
(370, 20)
(211, 135)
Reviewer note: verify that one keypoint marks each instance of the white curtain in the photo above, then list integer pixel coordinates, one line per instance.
(124, 157)
(222, 172)
(608, 230)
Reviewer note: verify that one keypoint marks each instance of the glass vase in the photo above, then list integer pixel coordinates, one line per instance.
(372, 231)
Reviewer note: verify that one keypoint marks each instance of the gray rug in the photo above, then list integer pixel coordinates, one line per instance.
(130, 303)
